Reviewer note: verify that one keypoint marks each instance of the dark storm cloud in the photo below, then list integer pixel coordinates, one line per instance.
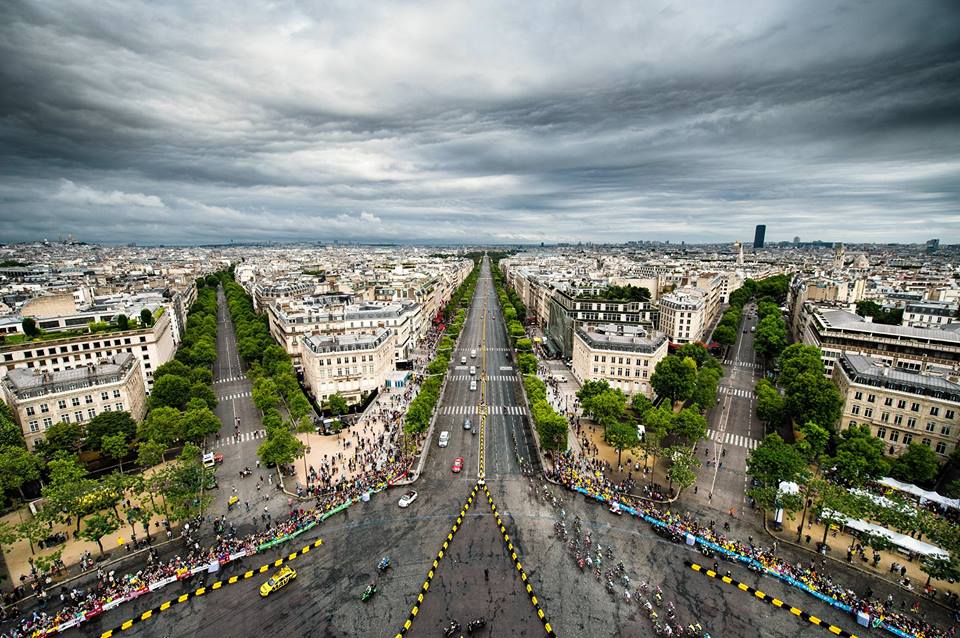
(612, 121)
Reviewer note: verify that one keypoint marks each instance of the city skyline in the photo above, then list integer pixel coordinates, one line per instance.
(439, 124)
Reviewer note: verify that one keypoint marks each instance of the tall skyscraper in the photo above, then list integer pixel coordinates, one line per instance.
(933, 245)
(758, 236)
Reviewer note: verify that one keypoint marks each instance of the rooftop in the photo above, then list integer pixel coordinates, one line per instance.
(621, 338)
(27, 383)
(350, 341)
(868, 371)
(848, 321)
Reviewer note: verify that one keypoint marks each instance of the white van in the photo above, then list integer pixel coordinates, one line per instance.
(444, 439)
(473, 353)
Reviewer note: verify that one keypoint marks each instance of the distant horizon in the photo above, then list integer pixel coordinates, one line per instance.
(500, 123)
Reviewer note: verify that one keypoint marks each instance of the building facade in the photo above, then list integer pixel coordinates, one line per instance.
(624, 356)
(152, 347)
(758, 236)
(683, 315)
(351, 365)
(40, 398)
(900, 407)
(929, 314)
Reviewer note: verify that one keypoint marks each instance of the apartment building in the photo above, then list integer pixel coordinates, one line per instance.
(821, 290)
(39, 398)
(624, 356)
(352, 365)
(900, 407)
(929, 314)
(683, 315)
(836, 331)
(152, 347)
(336, 314)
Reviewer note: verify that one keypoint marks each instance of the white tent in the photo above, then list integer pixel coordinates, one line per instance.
(922, 494)
(900, 540)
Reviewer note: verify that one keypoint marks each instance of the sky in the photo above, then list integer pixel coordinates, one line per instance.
(467, 122)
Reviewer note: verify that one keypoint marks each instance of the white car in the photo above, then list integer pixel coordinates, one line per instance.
(559, 378)
(463, 360)
(407, 498)
(473, 354)
(473, 385)
(473, 369)
(444, 438)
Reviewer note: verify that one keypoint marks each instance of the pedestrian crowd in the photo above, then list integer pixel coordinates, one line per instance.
(573, 474)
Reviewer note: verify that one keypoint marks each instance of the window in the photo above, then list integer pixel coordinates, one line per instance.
(881, 432)
(47, 422)
(868, 412)
(926, 442)
(855, 409)
(62, 404)
(858, 396)
(934, 411)
(898, 419)
(65, 418)
(88, 398)
(914, 407)
(945, 430)
(30, 410)
(116, 394)
(106, 407)
(104, 396)
(941, 447)
(871, 398)
(931, 426)
(888, 402)
(949, 414)
(78, 415)
(885, 417)
(44, 408)
(911, 422)
(92, 412)
(34, 426)
(901, 404)
(894, 436)
(75, 401)
(119, 407)
(907, 438)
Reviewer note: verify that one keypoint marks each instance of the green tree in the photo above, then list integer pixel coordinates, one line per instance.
(682, 463)
(68, 488)
(174, 367)
(770, 404)
(797, 359)
(812, 441)
(696, 351)
(591, 389)
(771, 336)
(150, 453)
(641, 405)
(30, 327)
(116, 447)
(110, 424)
(725, 335)
(657, 422)
(170, 391)
(773, 461)
(940, 567)
(552, 429)
(705, 389)
(265, 394)
(280, 447)
(201, 423)
(337, 404)
(689, 425)
(917, 464)
(18, 466)
(813, 397)
(10, 432)
(146, 317)
(162, 425)
(97, 526)
(524, 345)
(527, 363)
(122, 321)
(61, 437)
(859, 457)
(674, 378)
(621, 436)
(203, 392)
(609, 405)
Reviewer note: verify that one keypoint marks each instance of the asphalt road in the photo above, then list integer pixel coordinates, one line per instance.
(476, 578)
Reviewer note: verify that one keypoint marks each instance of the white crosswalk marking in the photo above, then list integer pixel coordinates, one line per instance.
(471, 410)
(229, 379)
(230, 397)
(244, 437)
(737, 392)
(741, 364)
(729, 438)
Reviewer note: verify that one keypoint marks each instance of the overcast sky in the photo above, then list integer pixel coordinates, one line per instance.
(192, 122)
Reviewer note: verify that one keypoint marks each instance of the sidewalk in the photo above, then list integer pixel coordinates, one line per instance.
(908, 572)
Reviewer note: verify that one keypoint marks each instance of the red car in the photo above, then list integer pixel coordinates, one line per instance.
(457, 465)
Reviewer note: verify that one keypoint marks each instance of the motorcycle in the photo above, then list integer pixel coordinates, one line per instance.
(368, 592)
(451, 629)
(476, 625)
(384, 564)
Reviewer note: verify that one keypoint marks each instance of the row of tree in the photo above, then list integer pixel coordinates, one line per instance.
(772, 288)
(421, 408)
